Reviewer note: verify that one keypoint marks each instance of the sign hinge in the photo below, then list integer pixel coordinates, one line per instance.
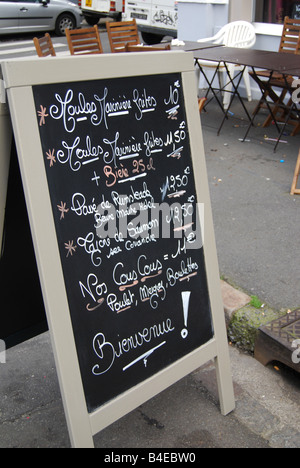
(2, 92)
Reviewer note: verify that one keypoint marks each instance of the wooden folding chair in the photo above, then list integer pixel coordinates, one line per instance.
(294, 189)
(122, 33)
(84, 41)
(289, 44)
(44, 46)
(201, 103)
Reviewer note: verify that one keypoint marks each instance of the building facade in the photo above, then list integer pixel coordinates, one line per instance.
(203, 18)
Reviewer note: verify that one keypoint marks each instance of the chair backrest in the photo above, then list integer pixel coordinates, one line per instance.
(290, 40)
(142, 48)
(84, 41)
(239, 34)
(122, 33)
(44, 46)
(236, 34)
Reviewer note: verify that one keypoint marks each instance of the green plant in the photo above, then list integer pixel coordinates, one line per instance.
(255, 302)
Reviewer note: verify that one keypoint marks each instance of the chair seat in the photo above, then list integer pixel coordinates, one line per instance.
(281, 82)
(210, 64)
(142, 48)
(277, 78)
(222, 68)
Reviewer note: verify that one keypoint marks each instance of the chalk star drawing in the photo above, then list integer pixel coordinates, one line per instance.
(51, 157)
(70, 248)
(63, 209)
(42, 114)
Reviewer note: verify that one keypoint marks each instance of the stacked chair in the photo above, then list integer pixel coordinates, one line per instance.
(289, 44)
(44, 46)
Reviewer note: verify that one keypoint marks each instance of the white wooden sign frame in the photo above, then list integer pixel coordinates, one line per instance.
(19, 77)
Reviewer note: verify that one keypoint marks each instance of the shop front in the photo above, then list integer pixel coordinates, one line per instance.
(204, 18)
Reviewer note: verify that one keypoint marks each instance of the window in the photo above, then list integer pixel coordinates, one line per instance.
(274, 11)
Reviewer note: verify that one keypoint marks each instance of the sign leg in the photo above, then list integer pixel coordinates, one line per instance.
(225, 384)
(5, 148)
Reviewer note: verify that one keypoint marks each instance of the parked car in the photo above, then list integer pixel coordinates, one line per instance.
(22, 16)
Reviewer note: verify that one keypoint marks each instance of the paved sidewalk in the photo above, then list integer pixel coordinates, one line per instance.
(256, 219)
(186, 415)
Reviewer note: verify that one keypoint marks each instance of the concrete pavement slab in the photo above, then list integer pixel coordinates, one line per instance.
(184, 416)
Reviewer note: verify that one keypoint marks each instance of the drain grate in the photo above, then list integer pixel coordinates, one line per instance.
(276, 341)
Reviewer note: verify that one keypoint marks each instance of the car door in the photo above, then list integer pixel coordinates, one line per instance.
(35, 15)
(9, 16)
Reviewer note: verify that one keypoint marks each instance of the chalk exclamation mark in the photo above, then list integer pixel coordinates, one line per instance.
(186, 302)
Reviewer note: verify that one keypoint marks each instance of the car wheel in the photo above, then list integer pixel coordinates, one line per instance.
(92, 20)
(64, 21)
(151, 38)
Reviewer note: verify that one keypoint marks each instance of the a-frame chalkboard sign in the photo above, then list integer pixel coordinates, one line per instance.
(112, 163)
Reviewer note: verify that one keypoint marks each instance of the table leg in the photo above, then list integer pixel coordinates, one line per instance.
(266, 91)
(234, 93)
(210, 87)
(293, 106)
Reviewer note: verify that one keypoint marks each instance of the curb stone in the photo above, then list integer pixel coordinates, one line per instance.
(242, 319)
(233, 300)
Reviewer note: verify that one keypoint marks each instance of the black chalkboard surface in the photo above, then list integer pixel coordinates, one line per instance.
(120, 176)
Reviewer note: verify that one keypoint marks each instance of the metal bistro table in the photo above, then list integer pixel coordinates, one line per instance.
(275, 62)
(230, 55)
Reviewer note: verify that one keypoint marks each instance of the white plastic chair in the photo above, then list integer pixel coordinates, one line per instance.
(237, 34)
